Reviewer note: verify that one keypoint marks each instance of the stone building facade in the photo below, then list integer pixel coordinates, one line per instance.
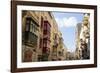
(41, 39)
(83, 39)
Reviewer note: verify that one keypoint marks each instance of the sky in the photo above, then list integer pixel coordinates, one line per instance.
(67, 22)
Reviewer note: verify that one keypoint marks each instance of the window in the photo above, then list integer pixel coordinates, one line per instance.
(54, 50)
(45, 26)
(45, 44)
(41, 22)
(35, 28)
(60, 53)
(27, 27)
(27, 24)
(31, 25)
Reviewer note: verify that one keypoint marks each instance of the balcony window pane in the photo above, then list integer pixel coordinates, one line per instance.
(31, 27)
(27, 27)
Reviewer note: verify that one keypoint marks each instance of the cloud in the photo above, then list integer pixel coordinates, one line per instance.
(66, 22)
